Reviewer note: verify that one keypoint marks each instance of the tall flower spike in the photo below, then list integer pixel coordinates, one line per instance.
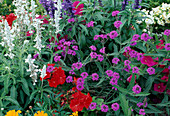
(7, 40)
(32, 68)
(43, 72)
(57, 16)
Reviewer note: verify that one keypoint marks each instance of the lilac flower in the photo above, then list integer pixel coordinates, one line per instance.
(57, 58)
(139, 104)
(115, 60)
(127, 62)
(75, 47)
(71, 20)
(69, 79)
(113, 81)
(92, 106)
(151, 71)
(135, 37)
(145, 37)
(133, 54)
(114, 13)
(136, 89)
(100, 57)
(117, 24)
(50, 68)
(141, 112)
(102, 50)
(93, 54)
(116, 75)
(67, 6)
(93, 48)
(104, 108)
(139, 56)
(109, 73)
(80, 81)
(127, 68)
(95, 76)
(135, 70)
(80, 87)
(127, 48)
(115, 106)
(113, 34)
(167, 46)
(167, 32)
(84, 75)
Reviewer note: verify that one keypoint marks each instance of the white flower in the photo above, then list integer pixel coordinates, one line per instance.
(43, 72)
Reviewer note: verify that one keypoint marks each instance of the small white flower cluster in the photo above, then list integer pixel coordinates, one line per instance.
(32, 68)
(43, 72)
(57, 16)
(7, 39)
(159, 15)
(38, 44)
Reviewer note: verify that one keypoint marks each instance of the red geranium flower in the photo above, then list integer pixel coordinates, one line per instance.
(80, 101)
(53, 82)
(10, 18)
(59, 74)
(165, 78)
(79, 8)
(160, 87)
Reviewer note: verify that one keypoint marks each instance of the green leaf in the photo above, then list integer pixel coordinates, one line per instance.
(13, 92)
(9, 98)
(84, 28)
(124, 104)
(33, 94)
(25, 86)
(142, 94)
(132, 82)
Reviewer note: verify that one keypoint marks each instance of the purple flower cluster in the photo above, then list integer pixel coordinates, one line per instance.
(92, 106)
(167, 32)
(115, 106)
(136, 89)
(114, 13)
(136, 5)
(117, 24)
(167, 46)
(77, 65)
(67, 6)
(84, 75)
(49, 6)
(104, 108)
(69, 79)
(80, 84)
(71, 20)
(113, 34)
(151, 71)
(95, 76)
(115, 60)
(96, 37)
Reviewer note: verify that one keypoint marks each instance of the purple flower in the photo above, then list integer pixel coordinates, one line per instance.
(73, 53)
(93, 54)
(95, 76)
(127, 68)
(139, 104)
(114, 13)
(141, 112)
(145, 37)
(48, 46)
(69, 79)
(35, 56)
(75, 47)
(151, 71)
(133, 43)
(136, 89)
(127, 48)
(80, 87)
(113, 81)
(90, 24)
(78, 65)
(133, 54)
(127, 62)
(135, 70)
(139, 56)
(104, 108)
(113, 34)
(80, 81)
(102, 50)
(96, 37)
(100, 57)
(71, 20)
(115, 60)
(167, 46)
(169, 67)
(93, 48)
(50, 68)
(84, 75)
(92, 106)
(167, 32)
(57, 58)
(117, 24)
(109, 73)
(71, 72)
(116, 75)
(103, 36)
(115, 106)
(135, 37)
